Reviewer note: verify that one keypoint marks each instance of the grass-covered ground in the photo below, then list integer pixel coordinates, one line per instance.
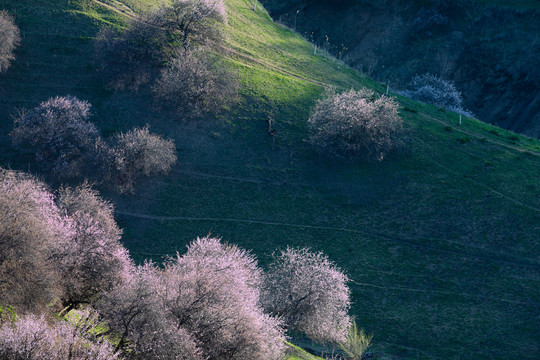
(440, 240)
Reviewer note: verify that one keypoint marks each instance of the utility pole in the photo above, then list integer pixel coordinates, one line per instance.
(254, 5)
(387, 87)
(295, 16)
(459, 119)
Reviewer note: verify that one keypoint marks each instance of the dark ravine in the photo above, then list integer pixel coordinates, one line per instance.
(490, 52)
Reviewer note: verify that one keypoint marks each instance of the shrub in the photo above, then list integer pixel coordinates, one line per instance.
(355, 124)
(130, 59)
(195, 81)
(58, 132)
(9, 40)
(189, 22)
(32, 338)
(32, 230)
(436, 91)
(356, 343)
(138, 153)
(310, 293)
(95, 260)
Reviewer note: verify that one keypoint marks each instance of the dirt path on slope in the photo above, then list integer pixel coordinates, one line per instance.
(480, 255)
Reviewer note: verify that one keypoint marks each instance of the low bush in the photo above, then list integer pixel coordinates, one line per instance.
(356, 124)
(356, 343)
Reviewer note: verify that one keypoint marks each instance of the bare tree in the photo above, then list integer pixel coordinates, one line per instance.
(138, 153)
(9, 40)
(356, 124)
(310, 293)
(195, 81)
(190, 22)
(94, 260)
(59, 133)
(132, 58)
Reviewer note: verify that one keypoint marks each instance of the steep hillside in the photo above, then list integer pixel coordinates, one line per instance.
(440, 240)
(488, 48)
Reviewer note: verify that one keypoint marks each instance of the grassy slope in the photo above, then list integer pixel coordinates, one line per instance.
(441, 241)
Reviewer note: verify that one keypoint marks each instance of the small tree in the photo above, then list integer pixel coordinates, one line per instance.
(195, 81)
(355, 124)
(59, 133)
(189, 22)
(310, 293)
(434, 90)
(130, 59)
(9, 40)
(95, 260)
(138, 153)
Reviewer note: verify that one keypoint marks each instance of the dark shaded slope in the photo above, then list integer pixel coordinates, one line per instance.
(490, 52)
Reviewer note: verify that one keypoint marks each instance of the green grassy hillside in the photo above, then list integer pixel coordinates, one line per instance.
(440, 240)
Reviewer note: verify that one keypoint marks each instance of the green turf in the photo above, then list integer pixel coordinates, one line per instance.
(440, 239)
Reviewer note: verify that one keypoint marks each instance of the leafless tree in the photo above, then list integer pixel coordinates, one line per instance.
(130, 59)
(195, 81)
(134, 310)
(9, 40)
(190, 22)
